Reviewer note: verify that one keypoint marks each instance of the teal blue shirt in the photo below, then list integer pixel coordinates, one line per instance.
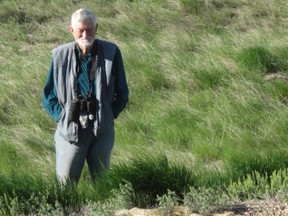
(83, 77)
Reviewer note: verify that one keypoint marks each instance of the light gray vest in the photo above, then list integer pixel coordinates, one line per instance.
(65, 76)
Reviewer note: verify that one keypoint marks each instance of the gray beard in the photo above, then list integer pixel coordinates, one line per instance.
(86, 44)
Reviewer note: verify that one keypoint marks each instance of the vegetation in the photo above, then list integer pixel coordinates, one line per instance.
(207, 111)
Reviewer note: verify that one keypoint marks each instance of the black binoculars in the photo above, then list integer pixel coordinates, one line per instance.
(80, 104)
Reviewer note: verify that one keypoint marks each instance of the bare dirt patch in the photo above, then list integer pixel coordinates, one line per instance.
(249, 208)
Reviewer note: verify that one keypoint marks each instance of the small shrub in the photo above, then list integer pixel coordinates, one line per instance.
(204, 200)
(167, 202)
(120, 199)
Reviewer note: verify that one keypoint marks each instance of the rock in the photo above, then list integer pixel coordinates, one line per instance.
(122, 212)
(144, 212)
(176, 211)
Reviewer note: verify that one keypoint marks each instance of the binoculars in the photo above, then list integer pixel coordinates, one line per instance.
(81, 104)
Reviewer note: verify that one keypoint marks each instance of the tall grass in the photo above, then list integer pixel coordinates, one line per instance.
(208, 102)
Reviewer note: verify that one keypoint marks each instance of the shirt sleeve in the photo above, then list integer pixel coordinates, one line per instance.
(121, 95)
(49, 96)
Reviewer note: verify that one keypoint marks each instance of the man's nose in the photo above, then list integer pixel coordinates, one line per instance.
(84, 34)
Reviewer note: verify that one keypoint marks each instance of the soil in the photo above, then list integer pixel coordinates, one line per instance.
(258, 208)
(251, 208)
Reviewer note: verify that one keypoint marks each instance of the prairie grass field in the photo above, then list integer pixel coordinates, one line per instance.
(207, 113)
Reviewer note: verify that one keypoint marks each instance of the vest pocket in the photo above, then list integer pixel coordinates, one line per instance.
(67, 129)
(105, 119)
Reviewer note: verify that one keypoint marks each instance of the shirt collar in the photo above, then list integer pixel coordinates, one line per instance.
(79, 51)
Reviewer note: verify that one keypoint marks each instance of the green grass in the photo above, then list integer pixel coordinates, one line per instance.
(204, 113)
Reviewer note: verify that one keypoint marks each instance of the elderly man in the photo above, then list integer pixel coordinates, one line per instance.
(85, 91)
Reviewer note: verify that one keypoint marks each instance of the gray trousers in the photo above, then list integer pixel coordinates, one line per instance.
(70, 157)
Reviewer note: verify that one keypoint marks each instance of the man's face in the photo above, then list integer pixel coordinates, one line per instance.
(84, 33)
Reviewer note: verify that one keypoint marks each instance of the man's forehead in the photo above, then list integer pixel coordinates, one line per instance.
(86, 23)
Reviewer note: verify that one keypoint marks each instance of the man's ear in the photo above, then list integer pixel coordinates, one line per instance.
(71, 29)
(96, 27)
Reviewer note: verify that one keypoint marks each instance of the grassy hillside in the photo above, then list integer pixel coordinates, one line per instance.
(208, 103)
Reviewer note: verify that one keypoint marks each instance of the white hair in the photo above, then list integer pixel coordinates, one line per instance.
(81, 15)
